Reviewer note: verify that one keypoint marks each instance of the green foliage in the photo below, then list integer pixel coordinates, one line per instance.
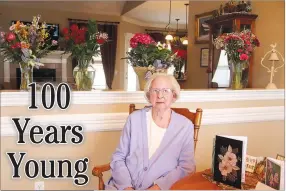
(145, 55)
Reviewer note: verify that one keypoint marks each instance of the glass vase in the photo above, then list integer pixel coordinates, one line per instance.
(239, 74)
(26, 75)
(84, 75)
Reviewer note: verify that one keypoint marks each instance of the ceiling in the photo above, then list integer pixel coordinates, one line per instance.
(147, 13)
(95, 7)
(157, 12)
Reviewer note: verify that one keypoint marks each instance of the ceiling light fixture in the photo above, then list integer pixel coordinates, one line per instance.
(169, 36)
(185, 42)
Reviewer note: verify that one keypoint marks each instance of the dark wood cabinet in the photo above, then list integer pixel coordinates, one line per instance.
(227, 23)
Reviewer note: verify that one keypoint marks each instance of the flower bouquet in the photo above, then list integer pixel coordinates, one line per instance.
(239, 47)
(147, 57)
(181, 57)
(83, 43)
(25, 45)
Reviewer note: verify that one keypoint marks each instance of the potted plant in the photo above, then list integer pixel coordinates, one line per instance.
(25, 45)
(83, 43)
(147, 57)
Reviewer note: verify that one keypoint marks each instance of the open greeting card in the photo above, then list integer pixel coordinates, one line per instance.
(229, 158)
(274, 176)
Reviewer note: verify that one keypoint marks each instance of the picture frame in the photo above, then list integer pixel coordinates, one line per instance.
(202, 29)
(204, 57)
(280, 157)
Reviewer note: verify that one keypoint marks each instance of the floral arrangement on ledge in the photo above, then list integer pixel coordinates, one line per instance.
(25, 45)
(239, 46)
(146, 53)
(83, 43)
(180, 60)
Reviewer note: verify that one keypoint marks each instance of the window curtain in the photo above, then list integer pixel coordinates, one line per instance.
(108, 50)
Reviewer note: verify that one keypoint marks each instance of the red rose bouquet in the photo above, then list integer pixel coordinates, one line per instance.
(83, 42)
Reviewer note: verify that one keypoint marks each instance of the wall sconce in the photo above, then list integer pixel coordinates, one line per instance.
(274, 58)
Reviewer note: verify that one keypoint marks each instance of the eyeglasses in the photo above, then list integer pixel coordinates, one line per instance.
(164, 91)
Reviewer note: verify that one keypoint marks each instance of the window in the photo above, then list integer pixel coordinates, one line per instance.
(99, 80)
(131, 82)
(222, 73)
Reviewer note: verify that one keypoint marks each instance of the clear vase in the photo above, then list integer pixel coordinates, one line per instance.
(239, 74)
(84, 75)
(26, 75)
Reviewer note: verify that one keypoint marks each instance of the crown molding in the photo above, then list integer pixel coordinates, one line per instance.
(126, 97)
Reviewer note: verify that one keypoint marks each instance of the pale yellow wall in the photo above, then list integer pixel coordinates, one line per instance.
(270, 28)
(61, 17)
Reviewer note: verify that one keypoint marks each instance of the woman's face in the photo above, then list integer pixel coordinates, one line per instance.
(161, 93)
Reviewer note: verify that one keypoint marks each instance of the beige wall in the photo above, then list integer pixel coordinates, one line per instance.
(270, 28)
(264, 139)
(15, 13)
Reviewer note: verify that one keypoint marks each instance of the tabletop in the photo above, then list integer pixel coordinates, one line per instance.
(203, 181)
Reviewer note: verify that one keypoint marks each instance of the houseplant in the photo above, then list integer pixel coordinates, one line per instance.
(147, 57)
(25, 45)
(239, 47)
(83, 43)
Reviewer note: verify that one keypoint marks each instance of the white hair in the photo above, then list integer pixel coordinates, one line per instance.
(175, 85)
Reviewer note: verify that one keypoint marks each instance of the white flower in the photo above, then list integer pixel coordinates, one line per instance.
(230, 158)
(12, 27)
(225, 168)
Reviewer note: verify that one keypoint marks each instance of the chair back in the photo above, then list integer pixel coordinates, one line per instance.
(196, 118)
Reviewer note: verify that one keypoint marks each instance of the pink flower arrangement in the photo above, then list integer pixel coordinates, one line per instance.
(146, 53)
(142, 39)
(239, 46)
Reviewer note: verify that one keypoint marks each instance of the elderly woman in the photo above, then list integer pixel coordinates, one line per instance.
(156, 147)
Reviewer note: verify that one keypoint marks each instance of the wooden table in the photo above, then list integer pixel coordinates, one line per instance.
(197, 181)
(194, 182)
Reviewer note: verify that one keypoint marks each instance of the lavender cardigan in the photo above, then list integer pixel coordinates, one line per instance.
(174, 159)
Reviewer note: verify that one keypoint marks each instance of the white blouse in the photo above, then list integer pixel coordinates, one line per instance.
(155, 134)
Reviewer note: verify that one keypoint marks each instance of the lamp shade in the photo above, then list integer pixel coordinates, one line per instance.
(185, 42)
(273, 57)
(169, 37)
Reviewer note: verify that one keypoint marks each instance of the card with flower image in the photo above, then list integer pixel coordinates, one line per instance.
(274, 176)
(228, 164)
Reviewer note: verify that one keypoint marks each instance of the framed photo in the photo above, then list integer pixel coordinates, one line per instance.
(204, 58)
(202, 29)
(280, 157)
